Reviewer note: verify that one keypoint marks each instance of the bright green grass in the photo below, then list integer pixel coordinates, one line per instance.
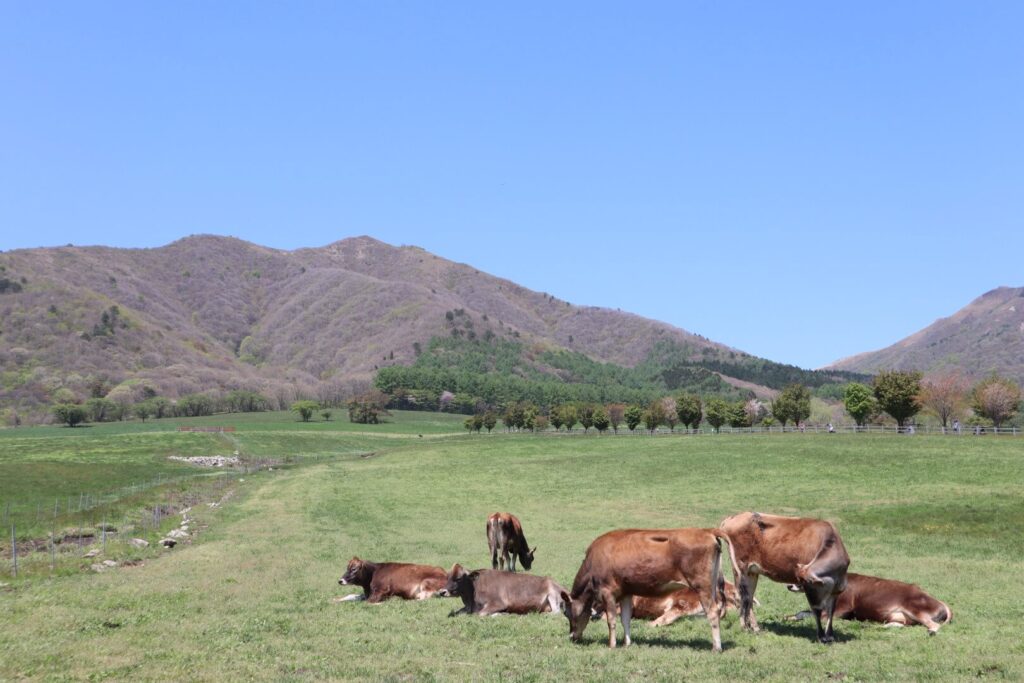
(253, 599)
(44, 466)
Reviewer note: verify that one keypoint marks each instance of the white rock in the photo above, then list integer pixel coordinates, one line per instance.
(138, 543)
(93, 553)
(109, 563)
(177, 533)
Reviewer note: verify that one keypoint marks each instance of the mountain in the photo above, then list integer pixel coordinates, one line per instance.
(983, 337)
(208, 312)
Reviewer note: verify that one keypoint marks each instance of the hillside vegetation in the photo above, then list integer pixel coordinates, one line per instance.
(216, 314)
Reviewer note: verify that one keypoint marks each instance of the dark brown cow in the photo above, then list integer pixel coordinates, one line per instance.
(490, 591)
(647, 563)
(893, 603)
(383, 580)
(505, 535)
(806, 552)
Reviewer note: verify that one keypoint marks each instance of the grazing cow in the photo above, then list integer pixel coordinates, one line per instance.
(893, 603)
(491, 591)
(684, 602)
(796, 550)
(382, 580)
(505, 535)
(647, 563)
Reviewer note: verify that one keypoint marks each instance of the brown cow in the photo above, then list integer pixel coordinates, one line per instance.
(382, 580)
(505, 535)
(648, 563)
(490, 591)
(684, 602)
(893, 603)
(796, 550)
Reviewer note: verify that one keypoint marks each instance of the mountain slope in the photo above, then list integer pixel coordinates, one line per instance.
(209, 312)
(985, 336)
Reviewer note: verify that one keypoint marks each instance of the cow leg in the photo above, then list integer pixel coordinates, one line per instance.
(609, 615)
(512, 562)
(354, 596)
(494, 557)
(668, 616)
(714, 615)
(830, 608)
(626, 606)
(748, 585)
(822, 608)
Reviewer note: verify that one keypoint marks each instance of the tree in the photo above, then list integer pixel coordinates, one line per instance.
(473, 423)
(569, 417)
(654, 415)
(368, 408)
(305, 409)
(793, 404)
(555, 417)
(161, 406)
(601, 420)
(634, 416)
(586, 416)
(616, 414)
(489, 420)
(689, 410)
(143, 410)
(326, 415)
(738, 416)
(70, 414)
(668, 406)
(996, 398)
(945, 396)
(100, 409)
(716, 413)
(897, 392)
(860, 402)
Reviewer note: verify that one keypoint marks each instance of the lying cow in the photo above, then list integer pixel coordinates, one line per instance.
(792, 550)
(646, 563)
(505, 536)
(383, 580)
(491, 591)
(893, 603)
(684, 602)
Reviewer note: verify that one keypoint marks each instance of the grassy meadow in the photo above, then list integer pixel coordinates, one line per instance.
(254, 596)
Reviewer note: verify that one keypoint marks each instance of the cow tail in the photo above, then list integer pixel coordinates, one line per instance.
(732, 553)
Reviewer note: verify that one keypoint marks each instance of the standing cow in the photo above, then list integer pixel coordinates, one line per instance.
(795, 550)
(491, 591)
(893, 603)
(505, 536)
(383, 580)
(648, 563)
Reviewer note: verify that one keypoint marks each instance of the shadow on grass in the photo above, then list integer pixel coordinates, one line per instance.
(802, 629)
(703, 644)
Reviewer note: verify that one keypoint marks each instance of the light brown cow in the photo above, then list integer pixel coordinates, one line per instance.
(684, 602)
(505, 536)
(893, 603)
(806, 552)
(383, 580)
(491, 591)
(647, 563)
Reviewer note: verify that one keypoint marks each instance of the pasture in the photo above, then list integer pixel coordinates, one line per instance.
(253, 597)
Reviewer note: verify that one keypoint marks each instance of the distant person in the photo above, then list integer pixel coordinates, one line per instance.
(831, 429)
(956, 426)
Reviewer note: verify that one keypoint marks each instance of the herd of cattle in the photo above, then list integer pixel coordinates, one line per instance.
(664, 574)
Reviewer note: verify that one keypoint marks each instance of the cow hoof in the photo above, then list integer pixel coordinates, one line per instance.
(826, 640)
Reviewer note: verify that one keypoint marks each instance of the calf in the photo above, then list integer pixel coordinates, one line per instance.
(795, 550)
(893, 603)
(684, 602)
(647, 563)
(382, 580)
(505, 535)
(490, 591)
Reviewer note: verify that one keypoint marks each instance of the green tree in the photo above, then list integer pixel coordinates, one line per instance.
(996, 398)
(70, 414)
(586, 416)
(738, 415)
(474, 423)
(100, 409)
(897, 392)
(601, 420)
(489, 420)
(143, 410)
(555, 417)
(161, 407)
(689, 410)
(716, 412)
(326, 415)
(569, 417)
(654, 415)
(305, 409)
(860, 402)
(634, 416)
(792, 404)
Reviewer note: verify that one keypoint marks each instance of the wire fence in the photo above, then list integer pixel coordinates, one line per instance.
(789, 429)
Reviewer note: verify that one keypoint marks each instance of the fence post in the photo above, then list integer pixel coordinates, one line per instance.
(14, 549)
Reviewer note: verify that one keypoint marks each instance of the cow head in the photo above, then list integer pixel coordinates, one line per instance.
(578, 613)
(527, 558)
(458, 581)
(355, 573)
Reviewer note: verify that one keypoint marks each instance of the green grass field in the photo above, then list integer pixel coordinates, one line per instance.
(253, 597)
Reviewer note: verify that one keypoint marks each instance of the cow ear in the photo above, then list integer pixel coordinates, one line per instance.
(566, 598)
(533, 551)
(473, 575)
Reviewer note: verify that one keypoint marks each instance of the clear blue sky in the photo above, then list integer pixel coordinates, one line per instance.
(802, 181)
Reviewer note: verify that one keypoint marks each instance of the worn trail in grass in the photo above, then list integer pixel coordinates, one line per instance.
(253, 599)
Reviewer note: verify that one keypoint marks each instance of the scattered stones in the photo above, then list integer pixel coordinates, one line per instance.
(138, 543)
(109, 563)
(177, 534)
(208, 460)
(103, 566)
(168, 542)
(93, 553)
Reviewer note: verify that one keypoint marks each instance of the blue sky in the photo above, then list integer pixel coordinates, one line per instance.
(802, 181)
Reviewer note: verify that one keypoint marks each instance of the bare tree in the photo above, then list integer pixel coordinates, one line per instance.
(945, 396)
(996, 398)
